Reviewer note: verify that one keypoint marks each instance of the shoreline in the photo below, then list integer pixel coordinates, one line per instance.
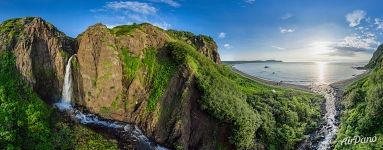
(327, 125)
(272, 83)
(341, 85)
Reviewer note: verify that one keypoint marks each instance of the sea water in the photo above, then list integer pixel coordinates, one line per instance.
(302, 73)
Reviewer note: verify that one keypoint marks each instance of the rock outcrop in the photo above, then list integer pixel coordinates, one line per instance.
(204, 44)
(207, 46)
(113, 79)
(100, 70)
(41, 52)
(376, 58)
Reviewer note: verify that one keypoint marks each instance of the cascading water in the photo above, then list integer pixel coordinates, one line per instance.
(125, 129)
(66, 96)
(331, 127)
(322, 138)
(68, 87)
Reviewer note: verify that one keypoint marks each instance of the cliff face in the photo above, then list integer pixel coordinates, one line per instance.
(41, 52)
(117, 71)
(169, 83)
(124, 73)
(376, 58)
(99, 69)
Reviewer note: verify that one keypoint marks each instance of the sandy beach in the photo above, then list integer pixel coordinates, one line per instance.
(341, 85)
(272, 83)
(344, 83)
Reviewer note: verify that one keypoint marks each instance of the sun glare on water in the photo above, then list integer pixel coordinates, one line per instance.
(321, 68)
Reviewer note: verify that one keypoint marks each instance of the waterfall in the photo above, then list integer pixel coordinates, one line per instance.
(123, 129)
(66, 95)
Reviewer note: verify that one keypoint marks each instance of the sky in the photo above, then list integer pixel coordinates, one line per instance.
(288, 30)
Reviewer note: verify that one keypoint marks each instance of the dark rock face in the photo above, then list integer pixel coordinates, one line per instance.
(41, 52)
(99, 78)
(207, 46)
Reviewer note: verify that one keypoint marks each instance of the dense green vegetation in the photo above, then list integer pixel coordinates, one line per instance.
(158, 70)
(124, 29)
(75, 136)
(363, 110)
(12, 26)
(188, 37)
(164, 69)
(181, 35)
(376, 59)
(11, 29)
(276, 119)
(25, 120)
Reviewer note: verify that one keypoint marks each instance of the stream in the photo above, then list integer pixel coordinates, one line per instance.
(321, 139)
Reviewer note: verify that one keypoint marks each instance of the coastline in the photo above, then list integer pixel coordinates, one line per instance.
(341, 85)
(271, 83)
(334, 92)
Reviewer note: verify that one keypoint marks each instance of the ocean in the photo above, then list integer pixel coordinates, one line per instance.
(302, 73)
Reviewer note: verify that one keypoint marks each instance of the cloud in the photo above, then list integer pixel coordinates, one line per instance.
(249, 1)
(117, 13)
(172, 3)
(222, 35)
(277, 47)
(353, 44)
(137, 7)
(355, 17)
(110, 26)
(379, 23)
(286, 16)
(163, 25)
(286, 30)
(227, 46)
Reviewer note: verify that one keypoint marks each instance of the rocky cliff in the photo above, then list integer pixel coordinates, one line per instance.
(41, 52)
(376, 59)
(124, 73)
(169, 83)
(120, 69)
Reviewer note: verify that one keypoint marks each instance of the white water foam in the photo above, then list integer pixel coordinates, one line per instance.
(331, 126)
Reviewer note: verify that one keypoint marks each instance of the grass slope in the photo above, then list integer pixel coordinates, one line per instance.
(259, 116)
(363, 111)
(278, 120)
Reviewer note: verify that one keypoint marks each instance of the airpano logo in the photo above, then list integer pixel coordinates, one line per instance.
(358, 140)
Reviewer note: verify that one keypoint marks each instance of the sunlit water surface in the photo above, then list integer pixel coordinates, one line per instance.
(302, 73)
(318, 75)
